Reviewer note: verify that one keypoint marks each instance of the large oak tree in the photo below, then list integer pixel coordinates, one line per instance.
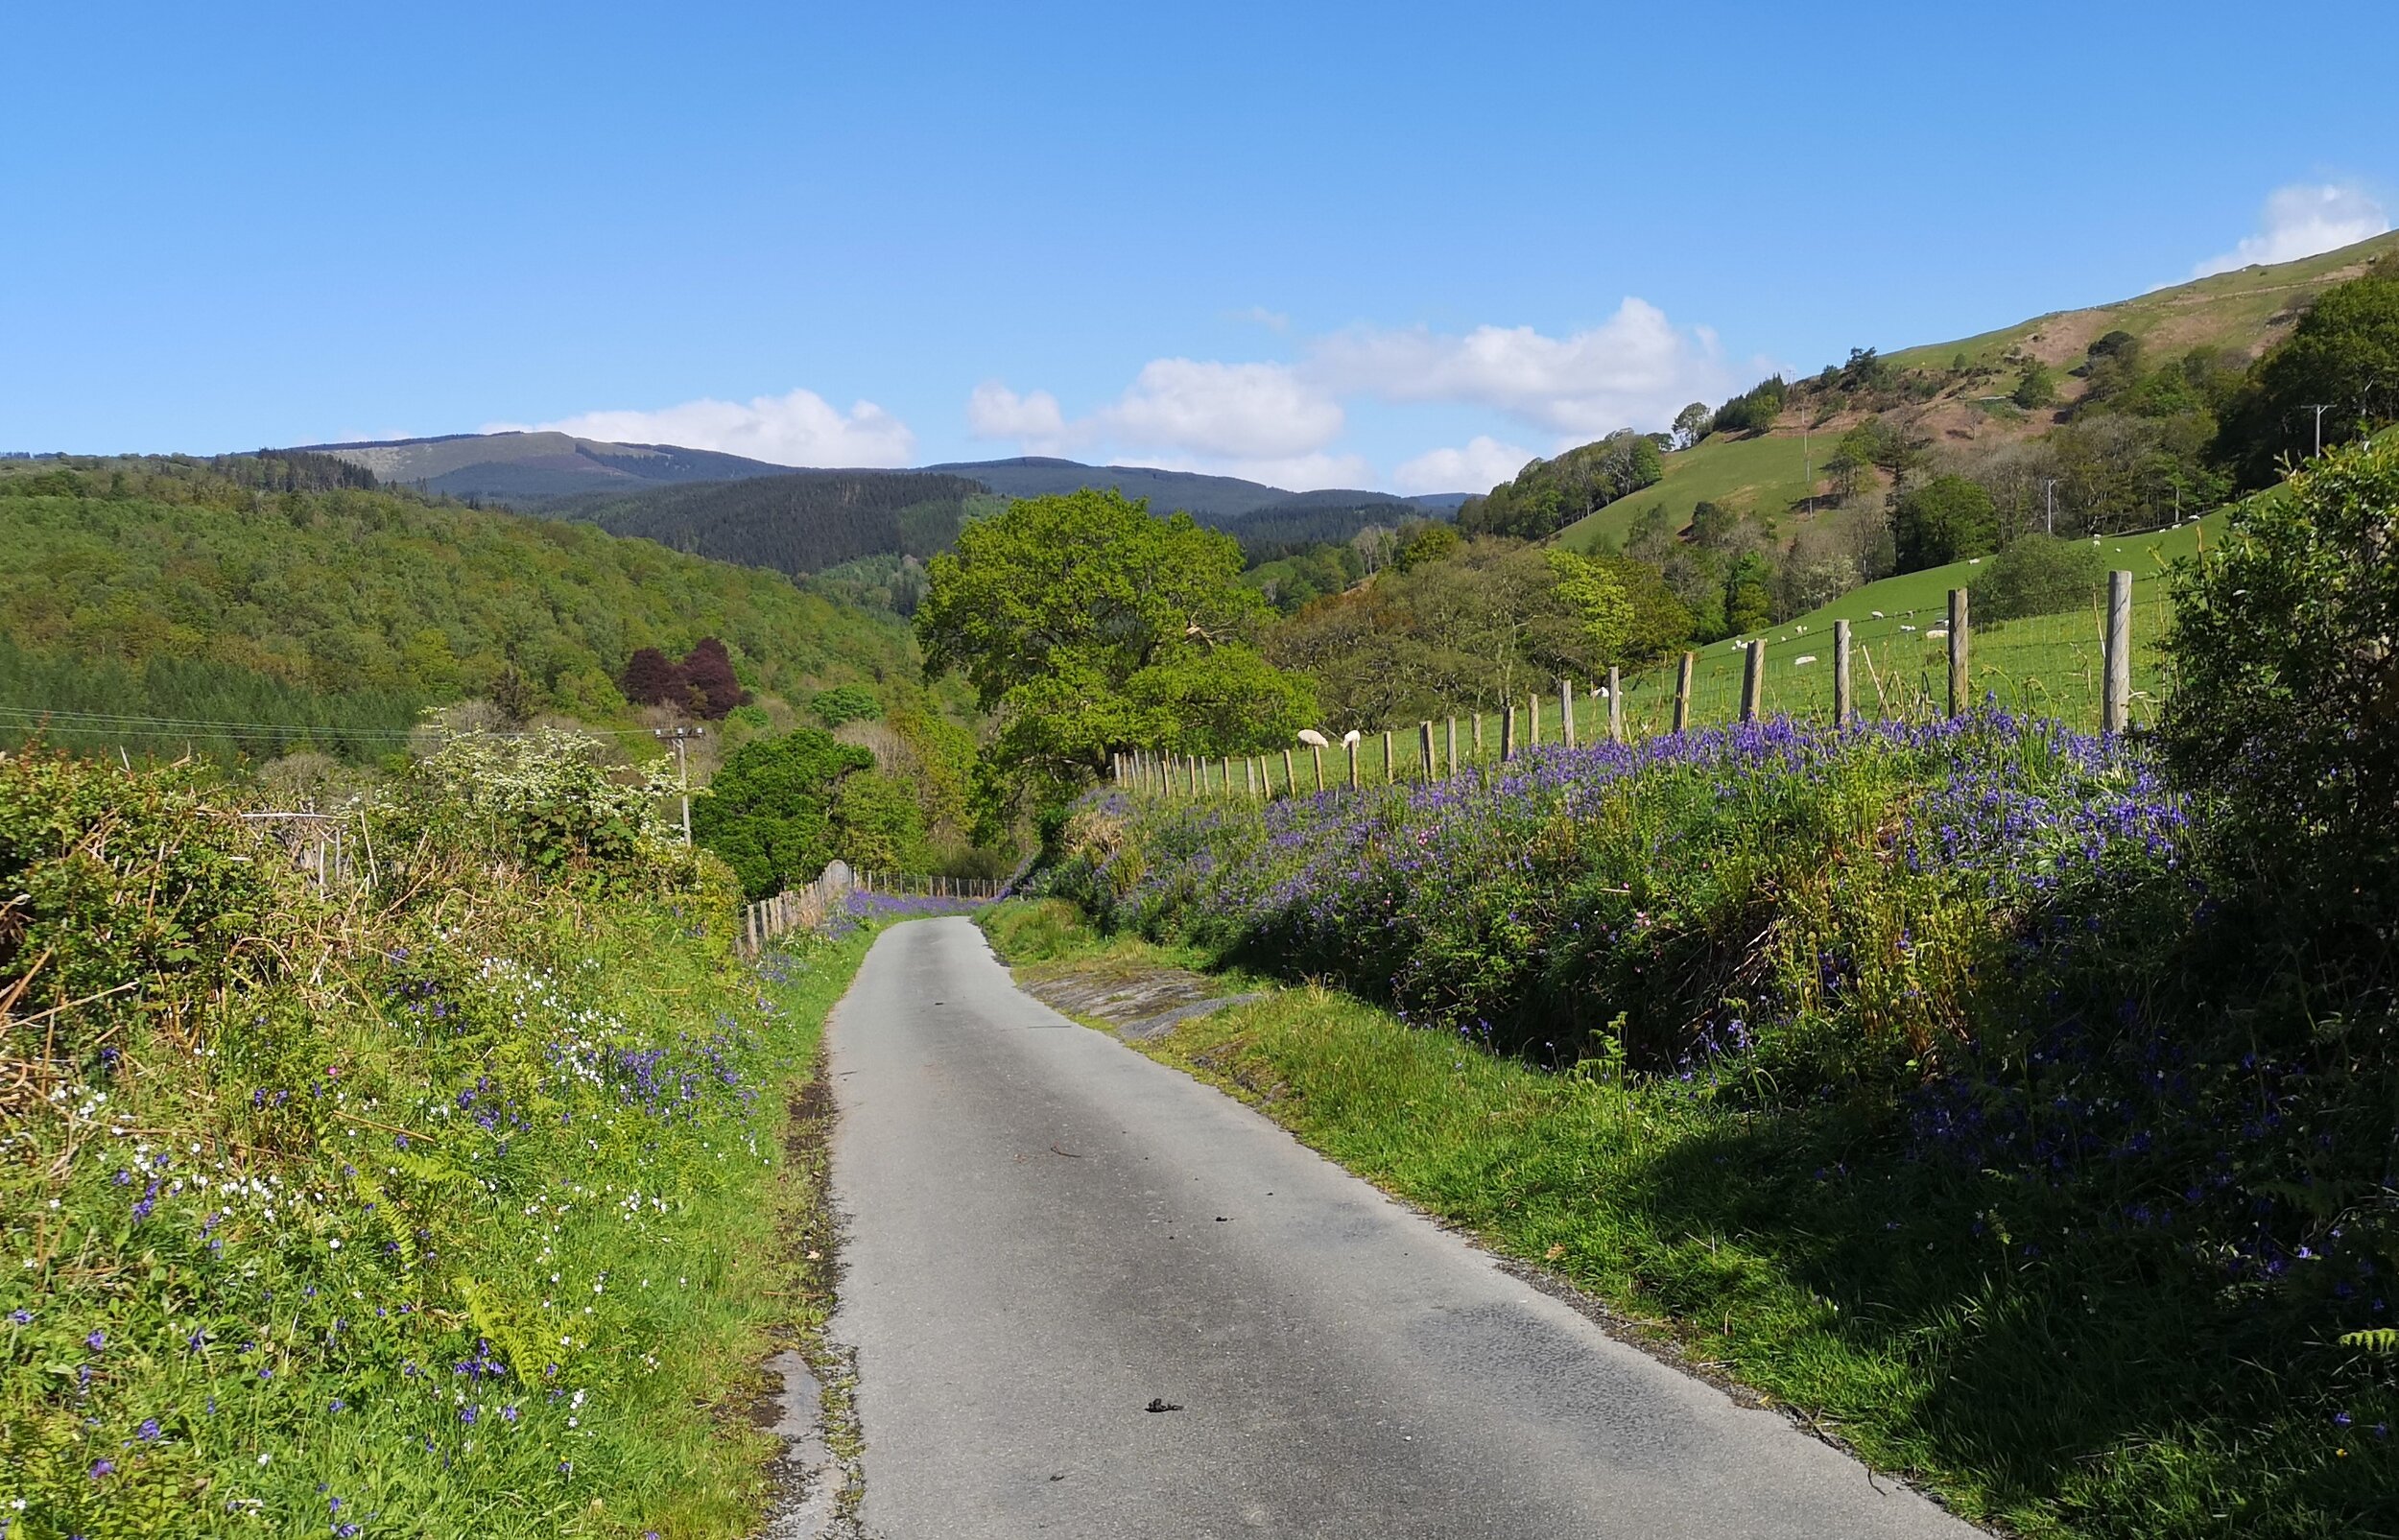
(1087, 627)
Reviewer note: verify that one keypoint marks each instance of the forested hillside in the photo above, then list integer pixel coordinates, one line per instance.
(207, 591)
(802, 522)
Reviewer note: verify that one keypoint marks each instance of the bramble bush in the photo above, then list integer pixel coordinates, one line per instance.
(544, 803)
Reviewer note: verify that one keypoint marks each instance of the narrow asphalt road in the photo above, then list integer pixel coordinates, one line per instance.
(1050, 1234)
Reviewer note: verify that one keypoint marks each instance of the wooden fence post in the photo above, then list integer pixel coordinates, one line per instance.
(1351, 744)
(1615, 704)
(1316, 753)
(2116, 694)
(1478, 735)
(1452, 747)
(1566, 712)
(1390, 772)
(1249, 769)
(1291, 782)
(1753, 682)
(1508, 736)
(1532, 719)
(1960, 674)
(1425, 730)
(1842, 700)
(1682, 692)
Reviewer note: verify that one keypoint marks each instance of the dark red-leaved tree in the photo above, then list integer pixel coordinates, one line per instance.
(707, 670)
(651, 679)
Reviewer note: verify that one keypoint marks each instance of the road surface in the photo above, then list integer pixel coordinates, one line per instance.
(1049, 1236)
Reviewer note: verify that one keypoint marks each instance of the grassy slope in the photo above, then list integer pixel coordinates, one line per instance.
(2235, 310)
(2227, 310)
(2048, 663)
(1749, 475)
(2058, 652)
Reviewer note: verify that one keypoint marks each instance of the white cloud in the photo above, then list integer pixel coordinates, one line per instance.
(1260, 421)
(1482, 464)
(1273, 321)
(1280, 423)
(1233, 411)
(1635, 368)
(1034, 418)
(2302, 219)
(799, 429)
(1294, 473)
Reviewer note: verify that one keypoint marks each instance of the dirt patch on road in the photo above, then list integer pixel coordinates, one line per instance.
(1133, 1001)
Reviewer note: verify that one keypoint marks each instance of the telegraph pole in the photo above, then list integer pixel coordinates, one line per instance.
(680, 738)
(2049, 494)
(2320, 411)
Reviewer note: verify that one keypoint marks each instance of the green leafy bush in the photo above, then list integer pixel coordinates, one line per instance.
(2036, 388)
(2037, 575)
(2285, 708)
(782, 808)
(847, 704)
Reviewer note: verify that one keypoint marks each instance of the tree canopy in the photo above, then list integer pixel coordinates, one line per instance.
(782, 808)
(1086, 625)
(1947, 519)
(2343, 356)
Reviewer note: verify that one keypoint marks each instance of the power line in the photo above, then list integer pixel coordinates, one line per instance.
(69, 720)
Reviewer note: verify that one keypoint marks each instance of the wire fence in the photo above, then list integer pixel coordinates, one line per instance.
(2054, 665)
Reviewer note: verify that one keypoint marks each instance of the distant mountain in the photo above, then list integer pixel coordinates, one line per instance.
(1210, 499)
(802, 521)
(1219, 500)
(796, 521)
(531, 467)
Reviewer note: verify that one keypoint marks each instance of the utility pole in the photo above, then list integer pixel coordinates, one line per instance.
(2049, 495)
(680, 738)
(2320, 411)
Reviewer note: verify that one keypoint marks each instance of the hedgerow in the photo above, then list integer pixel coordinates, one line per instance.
(432, 1206)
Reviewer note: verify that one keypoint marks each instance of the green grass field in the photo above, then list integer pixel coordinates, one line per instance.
(2048, 663)
(1753, 476)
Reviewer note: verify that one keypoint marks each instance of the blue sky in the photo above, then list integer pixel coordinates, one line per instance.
(1392, 245)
